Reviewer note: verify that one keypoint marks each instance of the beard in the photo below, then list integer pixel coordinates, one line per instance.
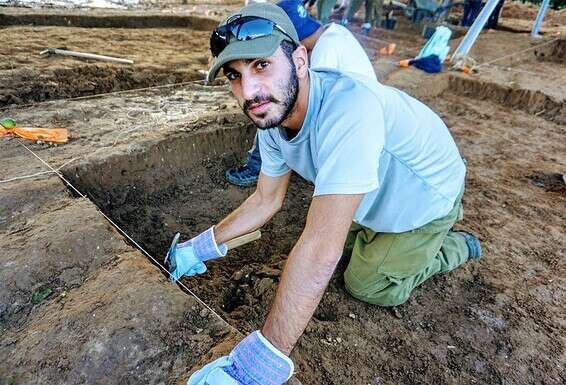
(282, 106)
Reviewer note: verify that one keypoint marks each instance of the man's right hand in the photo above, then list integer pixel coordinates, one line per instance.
(188, 258)
(185, 262)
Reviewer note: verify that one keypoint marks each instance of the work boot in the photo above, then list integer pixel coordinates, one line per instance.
(473, 243)
(243, 176)
(366, 27)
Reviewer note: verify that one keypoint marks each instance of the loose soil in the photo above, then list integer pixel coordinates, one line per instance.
(80, 303)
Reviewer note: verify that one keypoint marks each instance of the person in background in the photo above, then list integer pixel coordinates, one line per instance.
(373, 14)
(494, 17)
(308, 4)
(472, 9)
(324, 9)
(330, 46)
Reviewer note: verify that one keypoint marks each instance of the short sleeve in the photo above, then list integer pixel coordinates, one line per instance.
(352, 135)
(272, 162)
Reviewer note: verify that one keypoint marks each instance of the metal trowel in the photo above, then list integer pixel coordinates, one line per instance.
(169, 260)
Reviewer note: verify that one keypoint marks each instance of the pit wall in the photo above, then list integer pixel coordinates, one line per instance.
(78, 82)
(555, 52)
(153, 166)
(531, 101)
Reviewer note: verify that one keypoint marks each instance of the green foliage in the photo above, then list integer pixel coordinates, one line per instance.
(40, 295)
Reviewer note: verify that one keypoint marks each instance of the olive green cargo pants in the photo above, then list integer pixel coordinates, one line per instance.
(373, 13)
(324, 10)
(386, 267)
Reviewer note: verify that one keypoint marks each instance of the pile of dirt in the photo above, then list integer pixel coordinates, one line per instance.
(519, 10)
(527, 11)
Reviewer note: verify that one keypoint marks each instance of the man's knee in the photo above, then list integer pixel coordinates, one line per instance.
(380, 292)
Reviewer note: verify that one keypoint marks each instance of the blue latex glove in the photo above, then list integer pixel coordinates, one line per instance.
(187, 258)
(254, 361)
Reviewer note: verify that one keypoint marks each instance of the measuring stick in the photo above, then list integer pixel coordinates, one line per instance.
(84, 55)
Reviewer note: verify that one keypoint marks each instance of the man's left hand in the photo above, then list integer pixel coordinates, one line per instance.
(254, 361)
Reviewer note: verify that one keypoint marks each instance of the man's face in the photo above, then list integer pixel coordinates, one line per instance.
(266, 88)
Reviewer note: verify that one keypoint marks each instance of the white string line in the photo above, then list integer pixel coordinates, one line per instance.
(104, 94)
(129, 238)
(494, 67)
(36, 174)
(25, 176)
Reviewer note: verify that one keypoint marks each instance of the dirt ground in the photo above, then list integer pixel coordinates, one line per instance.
(28, 77)
(82, 302)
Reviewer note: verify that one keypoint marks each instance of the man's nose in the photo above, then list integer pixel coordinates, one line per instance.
(250, 87)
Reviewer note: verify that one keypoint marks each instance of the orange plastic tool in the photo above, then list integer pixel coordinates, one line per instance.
(388, 50)
(466, 69)
(48, 135)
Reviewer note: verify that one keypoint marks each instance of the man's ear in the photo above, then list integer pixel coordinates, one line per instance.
(301, 60)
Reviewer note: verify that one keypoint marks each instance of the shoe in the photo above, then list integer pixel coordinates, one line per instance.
(473, 243)
(242, 176)
(344, 22)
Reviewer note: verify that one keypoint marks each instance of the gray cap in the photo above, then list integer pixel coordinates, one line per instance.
(260, 47)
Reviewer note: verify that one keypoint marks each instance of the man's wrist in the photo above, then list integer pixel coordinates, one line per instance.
(205, 246)
(258, 359)
(275, 341)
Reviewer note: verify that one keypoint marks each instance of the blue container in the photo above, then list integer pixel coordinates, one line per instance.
(428, 31)
(390, 23)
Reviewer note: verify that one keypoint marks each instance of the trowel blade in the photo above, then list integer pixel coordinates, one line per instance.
(169, 260)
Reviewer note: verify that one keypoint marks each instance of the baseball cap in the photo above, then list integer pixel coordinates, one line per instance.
(260, 47)
(304, 23)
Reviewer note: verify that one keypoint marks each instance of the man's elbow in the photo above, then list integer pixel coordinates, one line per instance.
(275, 205)
(278, 203)
(268, 205)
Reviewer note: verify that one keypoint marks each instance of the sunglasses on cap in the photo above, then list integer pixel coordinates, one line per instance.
(243, 28)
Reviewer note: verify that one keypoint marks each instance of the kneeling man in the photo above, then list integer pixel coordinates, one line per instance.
(388, 183)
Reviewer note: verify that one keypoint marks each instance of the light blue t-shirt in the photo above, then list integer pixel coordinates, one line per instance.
(367, 138)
